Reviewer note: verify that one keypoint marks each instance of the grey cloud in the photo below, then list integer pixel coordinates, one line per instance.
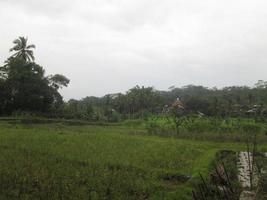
(107, 46)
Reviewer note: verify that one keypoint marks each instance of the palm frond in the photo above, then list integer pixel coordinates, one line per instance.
(30, 54)
(16, 41)
(15, 55)
(23, 41)
(31, 46)
(22, 49)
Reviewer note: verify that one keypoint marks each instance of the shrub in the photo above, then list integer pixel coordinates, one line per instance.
(205, 126)
(161, 125)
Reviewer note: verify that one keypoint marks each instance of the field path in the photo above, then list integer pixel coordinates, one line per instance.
(244, 167)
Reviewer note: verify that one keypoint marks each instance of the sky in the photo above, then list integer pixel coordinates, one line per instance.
(110, 46)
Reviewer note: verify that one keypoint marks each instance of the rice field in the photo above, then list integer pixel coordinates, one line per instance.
(56, 161)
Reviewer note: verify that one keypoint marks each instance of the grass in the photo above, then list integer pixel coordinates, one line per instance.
(209, 128)
(57, 161)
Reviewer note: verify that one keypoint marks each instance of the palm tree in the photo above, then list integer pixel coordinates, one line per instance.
(22, 49)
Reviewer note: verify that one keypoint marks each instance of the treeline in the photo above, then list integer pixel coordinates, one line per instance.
(138, 102)
(25, 88)
(141, 102)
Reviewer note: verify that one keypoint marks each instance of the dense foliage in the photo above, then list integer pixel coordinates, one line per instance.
(142, 102)
(24, 86)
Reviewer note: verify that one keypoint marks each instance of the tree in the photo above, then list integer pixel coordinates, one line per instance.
(23, 83)
(27, 87)
(58, 81)
(3, 96)
(261, 84)
(197, 104)
(140, 100)
(22, 49)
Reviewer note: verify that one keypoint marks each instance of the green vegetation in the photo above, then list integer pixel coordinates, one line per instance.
(57, 161)
(24, 85)
(109, 147)
(218, 129)
(223, 174)
(142, 102)
(262, 193)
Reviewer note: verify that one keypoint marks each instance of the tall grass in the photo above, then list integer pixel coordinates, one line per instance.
(232, 129)
(57, 161)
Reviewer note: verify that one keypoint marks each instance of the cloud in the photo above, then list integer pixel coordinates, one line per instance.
(107, 46)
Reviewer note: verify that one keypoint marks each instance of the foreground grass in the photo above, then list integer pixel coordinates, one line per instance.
(56, 161)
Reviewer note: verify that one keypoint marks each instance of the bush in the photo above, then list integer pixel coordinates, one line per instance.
(161, 125)
(193, 125)
(114, 117)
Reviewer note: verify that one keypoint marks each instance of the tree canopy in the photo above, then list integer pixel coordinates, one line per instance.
(140, 102)
(22, 49)
(24, 85)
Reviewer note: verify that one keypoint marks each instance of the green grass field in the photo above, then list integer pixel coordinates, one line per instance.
(56, 161)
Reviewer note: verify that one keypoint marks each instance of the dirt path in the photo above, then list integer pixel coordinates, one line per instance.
(244, 167)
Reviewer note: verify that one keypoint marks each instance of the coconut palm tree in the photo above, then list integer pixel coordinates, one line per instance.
(23, 50)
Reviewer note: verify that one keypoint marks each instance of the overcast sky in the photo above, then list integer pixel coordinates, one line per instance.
(109, 46)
